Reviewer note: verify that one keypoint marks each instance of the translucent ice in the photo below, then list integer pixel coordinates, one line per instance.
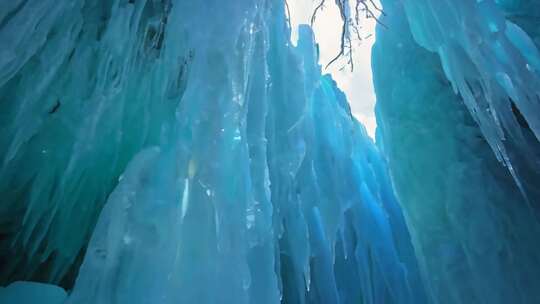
(276, 193)
(248, 179)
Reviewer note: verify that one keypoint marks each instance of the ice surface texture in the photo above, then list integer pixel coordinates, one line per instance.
(248, 179)
(475, 233)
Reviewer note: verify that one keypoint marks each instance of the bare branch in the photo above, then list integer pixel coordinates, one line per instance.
(351, 25)
(288, 14)
(377, 8)
(319, 7)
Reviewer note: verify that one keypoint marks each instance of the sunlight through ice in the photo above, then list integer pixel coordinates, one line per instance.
(357, 85)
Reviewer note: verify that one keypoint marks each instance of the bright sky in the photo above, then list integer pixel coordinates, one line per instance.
(357, 85)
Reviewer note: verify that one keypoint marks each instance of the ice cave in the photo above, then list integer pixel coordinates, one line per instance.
(195, 151)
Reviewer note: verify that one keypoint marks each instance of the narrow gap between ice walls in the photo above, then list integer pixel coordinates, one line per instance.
(354, 79)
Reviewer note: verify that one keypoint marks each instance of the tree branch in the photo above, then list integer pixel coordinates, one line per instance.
(351, 24)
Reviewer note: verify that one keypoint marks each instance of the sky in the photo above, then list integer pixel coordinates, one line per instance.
(357, 85)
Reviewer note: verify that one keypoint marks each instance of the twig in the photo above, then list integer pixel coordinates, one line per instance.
(351, 25)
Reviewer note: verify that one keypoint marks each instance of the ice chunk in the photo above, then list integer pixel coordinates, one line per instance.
(32, 293)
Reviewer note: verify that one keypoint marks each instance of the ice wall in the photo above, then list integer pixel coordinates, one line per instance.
(457, 91)
(81, 91)
(233, 171)
(493, 64)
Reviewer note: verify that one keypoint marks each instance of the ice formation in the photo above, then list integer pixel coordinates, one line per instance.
(232, 171)
(457, 88)
(178, 151)
(491, 61)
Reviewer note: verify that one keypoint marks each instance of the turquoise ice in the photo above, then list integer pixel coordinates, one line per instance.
(181, 151)
(186, 152)
(461, 147)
